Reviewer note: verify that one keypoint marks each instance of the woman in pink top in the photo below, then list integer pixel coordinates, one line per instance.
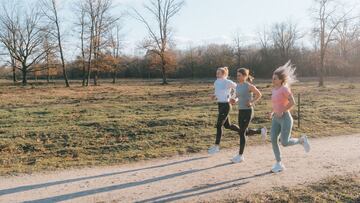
(281, 120)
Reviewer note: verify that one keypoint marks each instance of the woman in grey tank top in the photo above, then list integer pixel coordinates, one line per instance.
(244, 96)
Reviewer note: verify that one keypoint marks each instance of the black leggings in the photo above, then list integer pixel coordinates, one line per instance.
(245, 116)
(224, 120)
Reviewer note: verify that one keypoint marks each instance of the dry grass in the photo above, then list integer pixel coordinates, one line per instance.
(49, 127)
(334, 189)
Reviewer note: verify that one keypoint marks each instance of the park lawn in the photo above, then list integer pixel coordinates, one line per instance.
(333, 189)
(47, 127)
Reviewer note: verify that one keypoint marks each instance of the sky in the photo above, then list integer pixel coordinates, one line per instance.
(217, 21)
(204, 21)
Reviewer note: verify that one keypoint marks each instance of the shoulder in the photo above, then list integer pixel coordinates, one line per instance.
(229, 81)
(251, 86)
(286, 90)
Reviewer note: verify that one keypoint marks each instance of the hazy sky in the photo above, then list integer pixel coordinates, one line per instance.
(205, 21)
(217, 21)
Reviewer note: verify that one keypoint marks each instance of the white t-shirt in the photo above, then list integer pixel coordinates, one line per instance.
(223, 89)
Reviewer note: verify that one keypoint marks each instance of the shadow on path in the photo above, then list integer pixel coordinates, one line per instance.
(198, 190)
(42, 185)
(74, 195)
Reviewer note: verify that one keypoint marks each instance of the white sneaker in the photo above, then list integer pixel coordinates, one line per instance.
(278, 167)
(214, 149)
(263, 133)
(305, 143)
(237, 159)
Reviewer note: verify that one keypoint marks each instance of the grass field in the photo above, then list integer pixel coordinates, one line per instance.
(50, 127)
(334, 189)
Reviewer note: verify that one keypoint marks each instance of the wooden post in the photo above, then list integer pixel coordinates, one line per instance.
(299, 108)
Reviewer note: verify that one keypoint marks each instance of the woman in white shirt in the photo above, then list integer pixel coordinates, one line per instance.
(223, 89)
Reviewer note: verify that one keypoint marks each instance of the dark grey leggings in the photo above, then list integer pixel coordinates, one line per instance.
(224, 121)
(245, 116)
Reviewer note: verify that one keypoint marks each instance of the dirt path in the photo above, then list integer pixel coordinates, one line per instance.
(188, 178)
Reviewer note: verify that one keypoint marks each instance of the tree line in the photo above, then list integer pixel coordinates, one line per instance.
(32, 40)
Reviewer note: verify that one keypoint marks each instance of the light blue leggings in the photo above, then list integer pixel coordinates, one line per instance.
(282, 126)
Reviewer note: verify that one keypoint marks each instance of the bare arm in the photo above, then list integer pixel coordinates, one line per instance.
(290, 104)
(257, 93)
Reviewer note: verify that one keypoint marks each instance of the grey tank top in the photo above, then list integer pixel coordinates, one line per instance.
(244, 95)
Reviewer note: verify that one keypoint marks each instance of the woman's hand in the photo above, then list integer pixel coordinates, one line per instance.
(270, 115)
(250, 104)
(232, 101)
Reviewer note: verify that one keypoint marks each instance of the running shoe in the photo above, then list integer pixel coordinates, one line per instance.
(305, 143)
(237, 159)
(214, 149)
(278, 167)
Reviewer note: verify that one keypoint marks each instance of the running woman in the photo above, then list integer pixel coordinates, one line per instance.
(223, 89)
(282, 101)
(246, 101)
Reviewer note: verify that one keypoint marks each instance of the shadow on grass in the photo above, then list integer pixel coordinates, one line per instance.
(67, 197)
(42, 185)
(198, 190)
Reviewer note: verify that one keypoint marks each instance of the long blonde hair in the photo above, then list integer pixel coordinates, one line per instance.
(225, 71)
(286, 73)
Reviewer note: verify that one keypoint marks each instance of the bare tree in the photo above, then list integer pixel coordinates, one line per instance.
(22, 33)
(284, 36)
(98, 20)
(327, 21)
(50, 10)
(50, 63)
(82, 40)
(159, 37)
(81, 24)
(238, 51)
(264, 38)
(115, 46)
(346, 35)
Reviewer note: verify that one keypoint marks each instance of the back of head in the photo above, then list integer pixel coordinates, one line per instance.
(225, 71)
(246, 73)
(286, 73)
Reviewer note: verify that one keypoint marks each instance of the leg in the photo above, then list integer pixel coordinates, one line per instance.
(286, 128)
(222, 117)
(252, 131)
(274, 134)
(230, 126)
(244, 120)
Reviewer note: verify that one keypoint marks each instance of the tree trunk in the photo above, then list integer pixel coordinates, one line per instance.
(14, 74)
(114, 77)
(88, 74)
(48, 73)
(322, 58)
(163, 70)
(84, 72)
(24, 76)
(60, 46)
(96, 77)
